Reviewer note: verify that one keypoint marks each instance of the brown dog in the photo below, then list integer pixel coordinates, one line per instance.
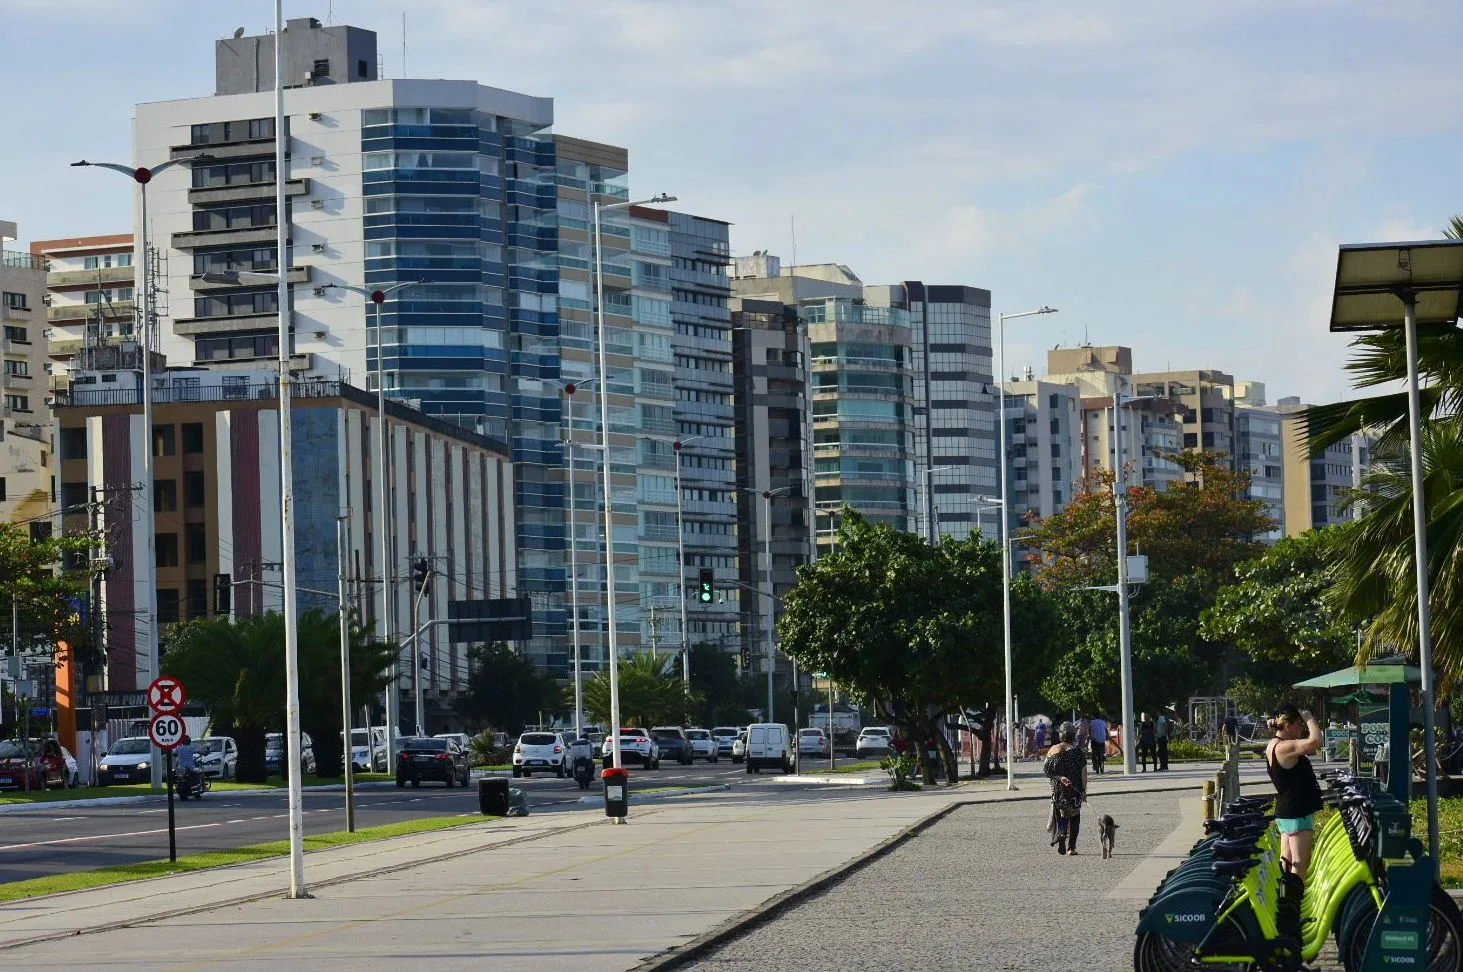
(1107, 832)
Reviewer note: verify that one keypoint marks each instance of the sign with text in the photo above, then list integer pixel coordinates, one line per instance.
(166, 730)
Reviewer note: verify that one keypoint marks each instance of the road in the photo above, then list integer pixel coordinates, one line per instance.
(47, 840)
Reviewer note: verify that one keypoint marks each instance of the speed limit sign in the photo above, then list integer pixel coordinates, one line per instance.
(166, 731)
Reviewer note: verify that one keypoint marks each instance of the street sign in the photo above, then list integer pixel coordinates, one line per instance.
(165, 694)
(166, 730)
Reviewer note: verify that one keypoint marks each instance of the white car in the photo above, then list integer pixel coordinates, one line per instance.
(725, 737)
(368, 750)
(739, 747)
(703, 745)
(218, 757)
(873, 742)
(461, 738)
(636, 745)
(540, 751)
(812, 742)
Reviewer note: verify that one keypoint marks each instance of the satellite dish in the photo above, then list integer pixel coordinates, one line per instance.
(238, 32)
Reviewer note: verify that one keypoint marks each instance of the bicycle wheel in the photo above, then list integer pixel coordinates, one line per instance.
(1357, 914)
(1154, 953)
(1444, 935)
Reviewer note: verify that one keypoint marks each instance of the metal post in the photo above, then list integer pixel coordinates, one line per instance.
(1125, 628)
(345, 679)
(416, 654)
(609, 502)
(771, 605)
(149, 517)
(1424, 611)
(384, 521)
(286, 477)
(1005, 551)
(172, 827)
(681, 559)
(574, 586)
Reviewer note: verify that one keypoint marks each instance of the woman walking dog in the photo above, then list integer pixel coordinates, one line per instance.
(1066, 767)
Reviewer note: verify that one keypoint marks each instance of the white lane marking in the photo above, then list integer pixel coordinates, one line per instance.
(163, 810)
(64, 819)
(77, 840)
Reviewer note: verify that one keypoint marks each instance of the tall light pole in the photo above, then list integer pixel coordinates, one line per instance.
(604, 441)
(142, 175)
(932, 528)
(341, 524)
(767, 495)
(384, 521)
(569, 446)
(1125, 627)
(1005, 538)
(681, 559)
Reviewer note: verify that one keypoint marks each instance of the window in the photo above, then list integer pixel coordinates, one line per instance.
(16, 334)
(1056, 450)
(193, 489)
(15, 301)
(3, 495)
(91, 263)
(18, 403)
(165, 496)
(167, 605)
(20, 369)
(167, 550)
(73, 442)
(197, 536)
(321, 69)
(197, 599)
(363, 70)
(163, 441)
(192, 438)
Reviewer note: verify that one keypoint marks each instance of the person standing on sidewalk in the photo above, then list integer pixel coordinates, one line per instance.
(1297, 793)
(1147, 743)
(1161, 729)
(1098, 727)
(1066, 767)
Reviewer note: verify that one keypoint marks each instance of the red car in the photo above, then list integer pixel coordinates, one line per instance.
(47, 768)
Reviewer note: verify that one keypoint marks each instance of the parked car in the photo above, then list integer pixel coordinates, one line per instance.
(673, 744)
(540, 751)
(218, 757)
(274, 753)
(812, 742)
(423, 758)
(128, 760)
(703, 745)
(368, 750)
(725, 736)
(461, 738)
(739, 747)
(40, 760)
(874, 742)
(73, 770)
(636, 745)
(769, 746)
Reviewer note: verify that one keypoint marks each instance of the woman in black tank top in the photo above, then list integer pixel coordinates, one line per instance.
(1297, 794)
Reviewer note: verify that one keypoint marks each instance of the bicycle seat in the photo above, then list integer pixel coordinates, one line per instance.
(1234, 847)
(1233, 869)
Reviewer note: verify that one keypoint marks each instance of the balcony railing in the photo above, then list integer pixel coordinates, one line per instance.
(177, 394)
(21, 260)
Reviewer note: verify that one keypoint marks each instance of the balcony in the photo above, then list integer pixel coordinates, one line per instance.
(248, 192)
(20, 315)
(233, 236)
(191, 326)
(95, 276)
(252, 148)
(80, 312)
(296, 275)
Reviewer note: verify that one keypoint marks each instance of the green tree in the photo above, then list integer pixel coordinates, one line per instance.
(911, 630)
(235, 667)
(48, 600)
(506, 690)
(651, 693)
(723, 693)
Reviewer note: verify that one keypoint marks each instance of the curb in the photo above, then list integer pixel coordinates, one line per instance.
(599, 801)
(735, 927)
(258, 895)
(844, 779)
(119, 801)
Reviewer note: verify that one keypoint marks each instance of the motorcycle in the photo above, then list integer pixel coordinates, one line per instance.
(584, 772)
(190, 784)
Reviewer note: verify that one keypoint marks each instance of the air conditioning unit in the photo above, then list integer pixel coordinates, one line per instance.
(317, 247)
(317, 204)
(317, 160)
(314, 116)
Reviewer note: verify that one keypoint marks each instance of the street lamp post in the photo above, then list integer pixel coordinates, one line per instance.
(681, 559)
(384, 521)
(932, 526)
(767, 495)
(1005, 534)
(1125, 626)
(142, 175)
(604, 441)
(570, 445)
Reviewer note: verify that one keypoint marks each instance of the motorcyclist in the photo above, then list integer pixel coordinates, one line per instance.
(185, 760)
(581, 748)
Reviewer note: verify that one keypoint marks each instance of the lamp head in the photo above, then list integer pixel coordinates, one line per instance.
(142, 174)
(676, 445)
(378, 296)
(570, 388)
(81, 163)
(663, 198)
(1046, 310)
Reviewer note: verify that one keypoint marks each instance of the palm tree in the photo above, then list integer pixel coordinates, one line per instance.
(651, 693)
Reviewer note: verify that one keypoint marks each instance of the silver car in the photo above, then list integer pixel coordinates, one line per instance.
(874, 742)
(218, 757)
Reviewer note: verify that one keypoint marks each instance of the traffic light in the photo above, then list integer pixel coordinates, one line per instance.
(746, 658)
(707, 594)
(223, 593)
(421, 573)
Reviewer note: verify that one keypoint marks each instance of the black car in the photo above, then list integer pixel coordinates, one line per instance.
(423, 758)
(673, 744)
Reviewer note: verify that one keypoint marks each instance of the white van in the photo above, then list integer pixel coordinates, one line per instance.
(769, 744)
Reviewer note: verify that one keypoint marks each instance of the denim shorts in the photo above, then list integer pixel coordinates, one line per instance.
(1289, 825)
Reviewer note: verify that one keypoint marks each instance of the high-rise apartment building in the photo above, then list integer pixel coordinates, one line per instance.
(91, 293)
(1317, 487)
(1206, 398)
(25, 418)
(1260, 451)
(1043, 448)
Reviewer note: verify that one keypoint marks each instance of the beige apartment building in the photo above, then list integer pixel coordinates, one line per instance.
(25, 428)
(90, 294)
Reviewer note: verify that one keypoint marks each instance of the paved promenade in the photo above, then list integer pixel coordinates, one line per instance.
(571, 891)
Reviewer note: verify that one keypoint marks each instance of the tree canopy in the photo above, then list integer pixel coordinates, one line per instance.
(651, 693)
(506, 690)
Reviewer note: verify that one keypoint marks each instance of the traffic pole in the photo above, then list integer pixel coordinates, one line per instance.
(172, 828)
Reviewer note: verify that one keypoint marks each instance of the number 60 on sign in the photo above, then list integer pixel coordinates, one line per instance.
(166, 731)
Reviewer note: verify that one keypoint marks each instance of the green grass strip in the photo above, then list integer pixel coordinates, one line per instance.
(864, 767)
(143, 789)
(120, 873)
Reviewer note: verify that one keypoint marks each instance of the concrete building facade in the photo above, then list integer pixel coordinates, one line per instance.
(1317, 487)
(1044, 448)
(25, 416)
(91, 290)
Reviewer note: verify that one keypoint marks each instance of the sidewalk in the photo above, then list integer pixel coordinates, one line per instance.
(545, 892)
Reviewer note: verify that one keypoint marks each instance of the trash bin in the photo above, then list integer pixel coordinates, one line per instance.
(493, 796)
(617, 792)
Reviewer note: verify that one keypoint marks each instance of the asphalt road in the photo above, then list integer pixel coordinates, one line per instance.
(47, 840)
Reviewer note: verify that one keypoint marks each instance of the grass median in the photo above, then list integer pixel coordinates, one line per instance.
(868, 766)
(144, 789)
(121, 873)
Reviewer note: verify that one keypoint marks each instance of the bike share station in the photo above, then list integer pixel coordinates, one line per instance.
(1371, 883)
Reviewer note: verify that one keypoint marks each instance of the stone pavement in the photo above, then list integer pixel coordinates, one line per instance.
(569, 890)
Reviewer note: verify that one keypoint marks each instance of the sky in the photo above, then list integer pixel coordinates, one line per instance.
(1174, 177)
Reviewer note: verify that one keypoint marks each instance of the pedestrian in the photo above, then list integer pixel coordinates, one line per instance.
(1066, 767)
(1297, 793)
(1161, 728)
(1147, 743)
(1040, 738)
(1097, 726)
(1082, 729)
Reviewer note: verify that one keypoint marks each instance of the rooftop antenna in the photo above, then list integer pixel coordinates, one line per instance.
(330, 13)
(403, 44)
(792, 221)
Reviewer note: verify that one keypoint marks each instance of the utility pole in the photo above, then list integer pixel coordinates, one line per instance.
(654, 633)
(1125, 629)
